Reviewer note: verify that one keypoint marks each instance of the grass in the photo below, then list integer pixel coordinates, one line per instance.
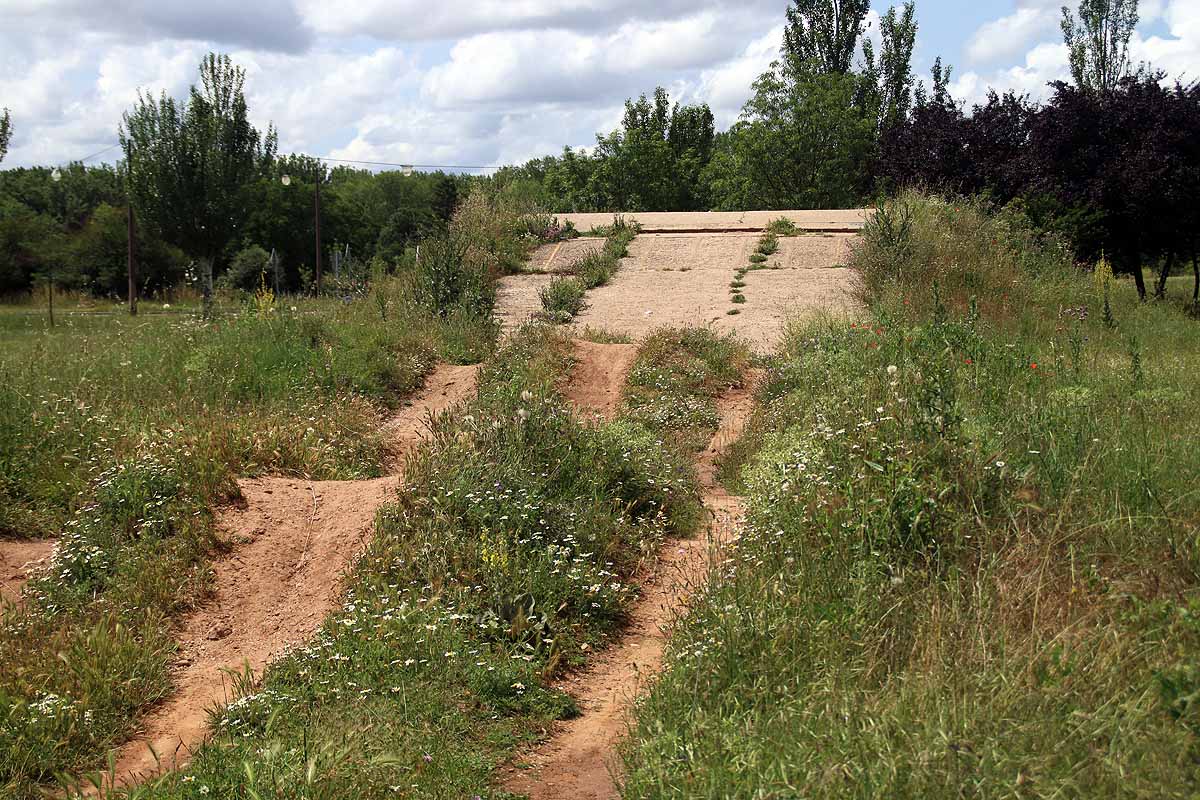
(508, 553)
(674, 383)
(782, 226)
(119, 435)
(971, 562)
(563, 298)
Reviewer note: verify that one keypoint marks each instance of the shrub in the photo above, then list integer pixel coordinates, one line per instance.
(562, 298)
(782, 227)
(757, 258)
(246, 270)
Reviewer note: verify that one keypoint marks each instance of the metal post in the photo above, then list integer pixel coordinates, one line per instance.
(317, 217)
(131, 266)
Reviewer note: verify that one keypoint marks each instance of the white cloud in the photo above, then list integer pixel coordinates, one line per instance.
(727, 87)
(1008, 36)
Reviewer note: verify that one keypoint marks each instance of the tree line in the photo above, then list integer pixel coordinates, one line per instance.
(1109, 160)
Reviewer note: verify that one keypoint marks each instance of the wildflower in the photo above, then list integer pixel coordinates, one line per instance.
(427, 758)
(891, 370)
(968, 361)
(522, 414)
(1000, 465)
(526, 396)
(293, 308)
(1033, 365)
(166, 306)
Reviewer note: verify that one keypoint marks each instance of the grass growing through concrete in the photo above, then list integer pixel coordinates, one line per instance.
(508, 553)
(972, 557)
(563, 298)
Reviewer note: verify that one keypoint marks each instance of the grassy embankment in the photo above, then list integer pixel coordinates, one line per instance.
(119, 435)
(511, 551)
(972, 554)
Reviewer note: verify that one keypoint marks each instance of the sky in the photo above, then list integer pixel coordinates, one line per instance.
(480, 83)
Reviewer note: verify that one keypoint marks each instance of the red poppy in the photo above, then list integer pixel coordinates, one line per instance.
(1033, 365)
(967, 361)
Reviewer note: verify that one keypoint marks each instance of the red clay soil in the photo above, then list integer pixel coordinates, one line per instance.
(596, 383)
(18, 561)
(579, 760)
(290, 545)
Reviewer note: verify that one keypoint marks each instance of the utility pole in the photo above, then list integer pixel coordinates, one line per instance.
(317, 216)
(131, 263)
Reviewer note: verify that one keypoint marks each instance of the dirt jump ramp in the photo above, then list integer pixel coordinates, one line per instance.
(290, 544)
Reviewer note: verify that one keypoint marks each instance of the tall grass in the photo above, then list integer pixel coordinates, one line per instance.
(508, 554)
(972, 556)
(119, 435)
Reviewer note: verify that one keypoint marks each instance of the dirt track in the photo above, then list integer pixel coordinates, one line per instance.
(291, 543)
(19, 560)
(579, 760)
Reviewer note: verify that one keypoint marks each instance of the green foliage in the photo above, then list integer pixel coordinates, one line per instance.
(187, 165)
(562, 299)
(1098, 41)
(821, 36)
(5, 132)
(802, 143)
(247, 269)
(967, 531)
(510, 550)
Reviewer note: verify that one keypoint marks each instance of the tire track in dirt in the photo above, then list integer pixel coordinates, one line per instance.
(579, 760)
(291, 542)
(19, 560)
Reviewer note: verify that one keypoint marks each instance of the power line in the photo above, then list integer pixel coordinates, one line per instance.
(335, 160)
(97, 153)
(394, 164)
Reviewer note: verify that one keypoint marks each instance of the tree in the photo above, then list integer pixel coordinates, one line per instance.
(188, 165)
(5, 132)
(445, 198)
(1098, 41)
(821, 36)
(890, 82)
(803, 144)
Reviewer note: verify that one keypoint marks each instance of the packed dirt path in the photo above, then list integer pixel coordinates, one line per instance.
(19, 560)
(290, 542)
(579, 760)
(598, 380)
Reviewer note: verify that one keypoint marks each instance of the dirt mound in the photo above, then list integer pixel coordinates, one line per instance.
(19, 560)
(290, 545)
(579, 760)
(596, 383)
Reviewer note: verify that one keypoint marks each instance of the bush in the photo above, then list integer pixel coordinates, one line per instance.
(562, 299)
(247, 270)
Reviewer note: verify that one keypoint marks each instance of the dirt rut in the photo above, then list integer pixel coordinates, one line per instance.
(596, 383)
(291, 543)
(18, 561)
(579, 760)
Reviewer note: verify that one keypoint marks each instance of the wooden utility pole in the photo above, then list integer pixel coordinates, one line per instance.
(317, 217)
(131, 264)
